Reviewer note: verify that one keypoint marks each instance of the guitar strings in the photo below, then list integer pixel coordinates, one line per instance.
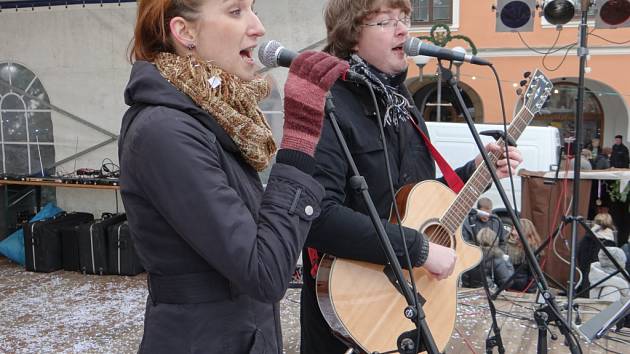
(443, 236)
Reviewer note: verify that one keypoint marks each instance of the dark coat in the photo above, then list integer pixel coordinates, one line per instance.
(496, 268)
(522, 277)
(344, 229)
(619, 157)
(601, 162)
(195, 207)
(473, 224)
(586, 254)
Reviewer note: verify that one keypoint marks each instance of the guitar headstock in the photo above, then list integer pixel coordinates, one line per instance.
(537, 91)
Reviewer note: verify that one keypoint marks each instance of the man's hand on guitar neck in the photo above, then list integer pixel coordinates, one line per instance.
(502, 164)
(440, 261)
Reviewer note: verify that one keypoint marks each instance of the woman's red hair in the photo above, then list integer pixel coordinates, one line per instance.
(152, 32)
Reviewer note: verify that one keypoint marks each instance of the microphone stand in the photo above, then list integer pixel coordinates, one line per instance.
(551, 307)
(494, 341)
(574, 218)
(413, 311)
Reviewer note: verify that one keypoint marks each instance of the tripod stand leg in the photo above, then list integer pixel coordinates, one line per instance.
(541, 318)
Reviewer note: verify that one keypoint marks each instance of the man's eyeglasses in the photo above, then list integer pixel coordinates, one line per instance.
(390, 23)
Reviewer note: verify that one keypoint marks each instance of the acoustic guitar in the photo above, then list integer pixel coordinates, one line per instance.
(360, 301)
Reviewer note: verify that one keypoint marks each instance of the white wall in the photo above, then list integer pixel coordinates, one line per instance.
(80, 56)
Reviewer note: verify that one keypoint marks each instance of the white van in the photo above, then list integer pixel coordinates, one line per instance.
(539, 146)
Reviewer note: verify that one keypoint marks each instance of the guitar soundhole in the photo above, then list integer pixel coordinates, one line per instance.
(439, 235)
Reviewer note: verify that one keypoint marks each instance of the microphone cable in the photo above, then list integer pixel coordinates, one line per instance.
(505, 140)
(407, 258)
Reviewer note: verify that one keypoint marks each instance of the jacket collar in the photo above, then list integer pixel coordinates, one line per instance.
(147, 87)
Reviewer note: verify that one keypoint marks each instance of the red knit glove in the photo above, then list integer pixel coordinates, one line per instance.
(311, 75)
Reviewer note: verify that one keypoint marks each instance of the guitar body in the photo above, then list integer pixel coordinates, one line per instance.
(361, 304)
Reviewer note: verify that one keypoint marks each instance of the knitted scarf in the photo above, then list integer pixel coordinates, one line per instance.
(396, 105)
(232, 102)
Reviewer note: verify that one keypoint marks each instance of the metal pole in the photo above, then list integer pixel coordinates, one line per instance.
(438, 117)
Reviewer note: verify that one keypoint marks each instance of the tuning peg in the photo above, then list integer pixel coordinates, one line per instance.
(527, 74)
(523, 83)
(519, 91)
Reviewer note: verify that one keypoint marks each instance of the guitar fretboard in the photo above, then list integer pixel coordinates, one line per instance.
(481, 178)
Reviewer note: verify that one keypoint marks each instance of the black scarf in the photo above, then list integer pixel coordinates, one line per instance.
(386, 89)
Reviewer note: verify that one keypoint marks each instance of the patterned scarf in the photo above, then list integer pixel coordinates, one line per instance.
(231, 101)
(397, 105)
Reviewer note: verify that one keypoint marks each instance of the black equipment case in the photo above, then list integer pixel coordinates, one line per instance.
(123, 259)
(42, 241)
(70, 247)
(93, 243)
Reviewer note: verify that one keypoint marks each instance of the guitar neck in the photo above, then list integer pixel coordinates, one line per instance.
(481, 178)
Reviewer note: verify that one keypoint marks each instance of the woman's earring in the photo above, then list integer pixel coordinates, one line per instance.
(191, 46)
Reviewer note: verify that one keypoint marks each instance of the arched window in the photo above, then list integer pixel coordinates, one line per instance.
(426, 99)
(559, 111)
(26, 132)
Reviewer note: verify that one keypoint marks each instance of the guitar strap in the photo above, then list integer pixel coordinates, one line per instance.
(452, 179)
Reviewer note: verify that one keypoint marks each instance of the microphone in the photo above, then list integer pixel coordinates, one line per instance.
(272, 54)
(414, 46)
(479, 212)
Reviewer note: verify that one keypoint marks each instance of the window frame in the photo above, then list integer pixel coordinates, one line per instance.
(29, 142)
(417, 26)
(431, 21)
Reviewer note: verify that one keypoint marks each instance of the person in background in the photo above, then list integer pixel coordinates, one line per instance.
(219, 251)
(613, 288)
(619, 157)
(370, 34)
(516, 252)
(497, 267)
(587, 248)
(483, 218)
(602, 160)
(585, 160)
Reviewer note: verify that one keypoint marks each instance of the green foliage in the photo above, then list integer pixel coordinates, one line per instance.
(615, 193)
(443, 37)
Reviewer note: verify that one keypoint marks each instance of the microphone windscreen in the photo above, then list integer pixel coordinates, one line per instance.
(412, 46)
(268, 53)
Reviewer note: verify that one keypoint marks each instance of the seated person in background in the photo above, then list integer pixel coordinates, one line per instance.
(613, 288)
(585, 159)
(601, 161)
(587, 248)
(517, 256)
(480, 219)
(496, 264)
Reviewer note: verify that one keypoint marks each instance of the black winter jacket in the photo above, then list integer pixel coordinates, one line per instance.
(196, 211)
(619, 156)
(496, 268)
(344, 229)
(473, 224)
